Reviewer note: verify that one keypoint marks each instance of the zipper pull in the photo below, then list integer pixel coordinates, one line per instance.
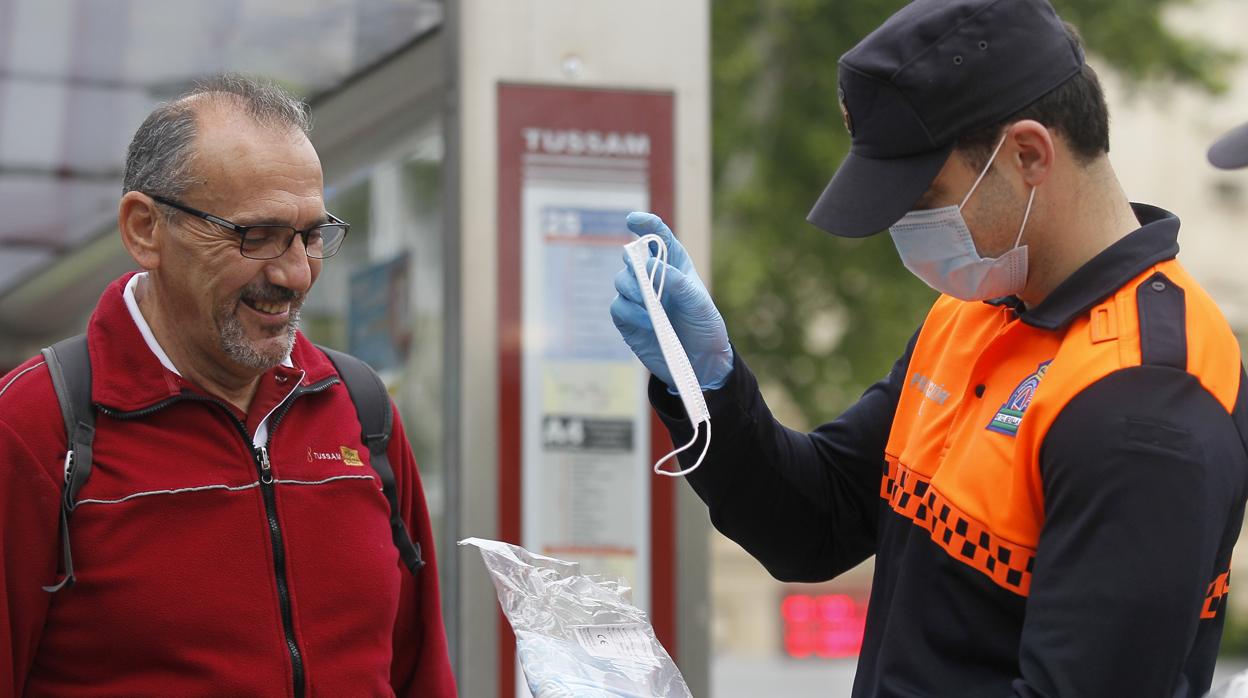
(266, 473)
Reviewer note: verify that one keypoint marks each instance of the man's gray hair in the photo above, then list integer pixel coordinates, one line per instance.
(159, 158)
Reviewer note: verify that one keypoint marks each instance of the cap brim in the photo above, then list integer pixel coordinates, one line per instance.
(867, 195)
(1231, 151)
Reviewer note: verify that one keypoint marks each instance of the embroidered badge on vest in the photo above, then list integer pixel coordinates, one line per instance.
(1011, 413)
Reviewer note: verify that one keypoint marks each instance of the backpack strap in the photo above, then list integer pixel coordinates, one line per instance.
(376, 415)
(69, 365)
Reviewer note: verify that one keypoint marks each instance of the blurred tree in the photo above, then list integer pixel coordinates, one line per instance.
(823, 317)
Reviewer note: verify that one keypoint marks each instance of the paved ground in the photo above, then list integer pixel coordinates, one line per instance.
(733, 677)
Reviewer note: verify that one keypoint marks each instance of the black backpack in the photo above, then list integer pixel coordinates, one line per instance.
(69, 365)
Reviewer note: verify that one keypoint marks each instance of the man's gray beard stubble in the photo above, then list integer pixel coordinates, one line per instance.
(236, 346)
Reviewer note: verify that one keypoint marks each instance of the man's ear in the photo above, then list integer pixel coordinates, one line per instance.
(1032, 150)
(141, 226)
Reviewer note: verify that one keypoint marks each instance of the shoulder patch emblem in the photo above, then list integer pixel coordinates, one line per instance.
(1010, 416)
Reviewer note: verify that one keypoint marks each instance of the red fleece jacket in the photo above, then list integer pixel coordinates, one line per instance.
(181, 552)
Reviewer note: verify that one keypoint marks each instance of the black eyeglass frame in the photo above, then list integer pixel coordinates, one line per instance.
(241, 230)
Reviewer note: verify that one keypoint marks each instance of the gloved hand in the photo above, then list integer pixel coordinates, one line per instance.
(688, 304)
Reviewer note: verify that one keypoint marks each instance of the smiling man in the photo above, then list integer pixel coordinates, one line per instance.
(1053, 476)
(234, 536)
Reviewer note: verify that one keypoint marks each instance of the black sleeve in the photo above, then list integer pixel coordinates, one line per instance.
(1140, 471)
(805, 505)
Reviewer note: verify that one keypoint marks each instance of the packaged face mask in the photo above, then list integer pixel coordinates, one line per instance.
(577, 636)
(673, 352)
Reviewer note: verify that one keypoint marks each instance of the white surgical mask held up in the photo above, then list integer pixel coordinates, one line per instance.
(936, 246)
(673, 352)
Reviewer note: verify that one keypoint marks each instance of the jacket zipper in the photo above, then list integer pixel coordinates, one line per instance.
(264, 469)
(261, 455)
(267, 490)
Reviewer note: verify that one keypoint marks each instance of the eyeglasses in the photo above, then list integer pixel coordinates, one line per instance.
(272, 241)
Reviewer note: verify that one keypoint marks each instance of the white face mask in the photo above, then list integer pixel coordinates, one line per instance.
(673, 352)
(937, 247)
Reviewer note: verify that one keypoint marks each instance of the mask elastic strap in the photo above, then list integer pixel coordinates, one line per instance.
(982, 174)
(669, 344)
(660, 266)
(658, 467)
(1026, 214)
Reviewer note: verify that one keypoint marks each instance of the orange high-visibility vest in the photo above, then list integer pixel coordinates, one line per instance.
(963, 457)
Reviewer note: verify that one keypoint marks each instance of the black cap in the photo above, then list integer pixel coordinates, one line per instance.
(935, 71)
(1231, 151)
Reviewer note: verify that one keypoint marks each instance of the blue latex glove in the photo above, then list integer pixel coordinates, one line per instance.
(688, 304)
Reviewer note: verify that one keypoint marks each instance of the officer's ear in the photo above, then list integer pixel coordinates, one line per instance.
(141, 223)
(1032, 150)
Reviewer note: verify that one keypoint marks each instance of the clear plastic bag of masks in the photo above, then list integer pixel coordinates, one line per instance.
(577, 635)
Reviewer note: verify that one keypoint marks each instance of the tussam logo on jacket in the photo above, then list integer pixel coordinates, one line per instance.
(348, 456)
(1010, 416)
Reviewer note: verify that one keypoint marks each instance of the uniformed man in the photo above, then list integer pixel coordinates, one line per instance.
(1052, 476)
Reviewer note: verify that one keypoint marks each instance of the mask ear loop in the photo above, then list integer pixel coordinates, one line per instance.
(658, 467)
(984, 172)
(1026, 214)
(661, 267)
(661, 271)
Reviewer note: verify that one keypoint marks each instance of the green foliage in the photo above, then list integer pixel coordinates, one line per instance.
(817, 316)
(1234, 636)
